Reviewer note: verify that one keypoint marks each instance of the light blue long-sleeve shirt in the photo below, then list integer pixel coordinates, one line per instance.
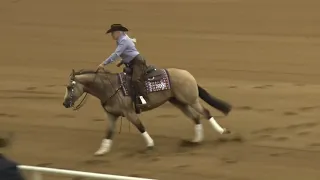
(126, 50)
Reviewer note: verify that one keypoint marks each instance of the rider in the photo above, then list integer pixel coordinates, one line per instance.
(130, 56)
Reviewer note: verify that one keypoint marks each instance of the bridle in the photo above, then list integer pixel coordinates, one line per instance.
(82, 102)
(84, 99)
(70, 101)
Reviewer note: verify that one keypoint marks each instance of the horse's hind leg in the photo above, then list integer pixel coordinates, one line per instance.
(206, 113)
(189, 112)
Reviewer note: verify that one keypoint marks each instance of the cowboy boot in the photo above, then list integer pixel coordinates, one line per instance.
(142, 92)
(139, 89)
(134, 98)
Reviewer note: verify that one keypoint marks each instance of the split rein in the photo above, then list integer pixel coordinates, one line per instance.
(84, 99)
(82, 102)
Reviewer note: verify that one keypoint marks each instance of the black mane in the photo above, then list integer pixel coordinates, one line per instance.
(89, 71)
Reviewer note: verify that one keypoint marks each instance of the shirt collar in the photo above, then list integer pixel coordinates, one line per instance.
(121, 37)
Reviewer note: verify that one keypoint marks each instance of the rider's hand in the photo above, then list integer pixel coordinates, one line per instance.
(101, 66)
(119, 64)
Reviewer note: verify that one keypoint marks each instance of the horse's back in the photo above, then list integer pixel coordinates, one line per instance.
(181, 75)
(183, 84)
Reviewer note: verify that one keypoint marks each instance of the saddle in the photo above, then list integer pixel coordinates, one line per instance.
(151, 74)
(155, 80)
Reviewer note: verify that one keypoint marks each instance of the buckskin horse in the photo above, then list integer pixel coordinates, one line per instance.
(177, 86)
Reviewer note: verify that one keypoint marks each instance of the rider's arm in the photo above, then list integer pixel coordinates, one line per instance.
(114, 56)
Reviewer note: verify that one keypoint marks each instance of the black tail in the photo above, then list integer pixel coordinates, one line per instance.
(222, 106)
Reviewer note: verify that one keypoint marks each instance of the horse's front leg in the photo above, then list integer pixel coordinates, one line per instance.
(107, 141)
(134, 119)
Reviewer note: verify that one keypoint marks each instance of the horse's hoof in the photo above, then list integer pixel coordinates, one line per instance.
(99, 153)
(187, 143)
(226, 131)
(150, 147)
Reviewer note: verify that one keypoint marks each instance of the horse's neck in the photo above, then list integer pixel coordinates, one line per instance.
(85, 79)
(98, 85)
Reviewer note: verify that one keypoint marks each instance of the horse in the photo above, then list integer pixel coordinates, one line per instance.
(176, 86)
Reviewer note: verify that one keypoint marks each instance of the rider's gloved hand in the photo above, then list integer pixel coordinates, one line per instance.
(101, 66)
(119, 64)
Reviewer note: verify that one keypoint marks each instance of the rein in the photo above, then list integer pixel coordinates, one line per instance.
(117, 90)
(84, 99)
(82, 102)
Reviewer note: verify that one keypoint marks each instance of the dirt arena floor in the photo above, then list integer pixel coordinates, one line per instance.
(262, 56)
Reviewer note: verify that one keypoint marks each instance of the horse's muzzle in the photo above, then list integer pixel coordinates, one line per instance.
(66, 105)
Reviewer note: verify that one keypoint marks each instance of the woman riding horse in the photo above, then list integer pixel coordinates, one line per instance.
(182, 91)
(131, 57)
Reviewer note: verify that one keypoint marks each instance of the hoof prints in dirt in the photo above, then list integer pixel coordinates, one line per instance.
(31, 88)
(302, 109)
(224, 139)
(8, 115)
(50, 85)
(29, 93)
(29, 97)
(167, 116)
(146, 154)
(276, 154)
(230, 138)
(64, 116)
(13, 91)
(302, 125)
(308, 108)
(276, 134)
(97, 119)
(264, 136)
(244, 108)
(317, 144)
(265, 130)
(263, 86)
(264, 110)
(282, 138)
(188, 143)
(303, 133)
(289, 113)
(249, 108)
(228, 160)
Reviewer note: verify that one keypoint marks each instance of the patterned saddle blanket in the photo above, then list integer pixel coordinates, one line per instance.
(155, 80)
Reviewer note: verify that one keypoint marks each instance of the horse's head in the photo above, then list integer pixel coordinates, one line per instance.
(74, 90)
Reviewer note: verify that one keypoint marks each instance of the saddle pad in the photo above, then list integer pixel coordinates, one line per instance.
(151, 85)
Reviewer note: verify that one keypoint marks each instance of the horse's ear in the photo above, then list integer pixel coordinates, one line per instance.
(73, 73)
